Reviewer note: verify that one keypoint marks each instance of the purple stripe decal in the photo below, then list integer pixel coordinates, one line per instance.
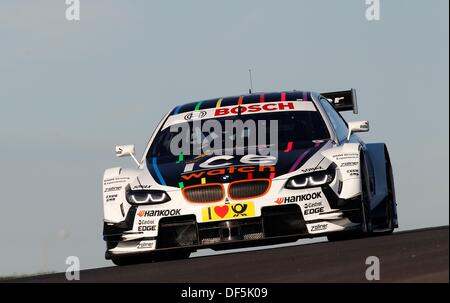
(299, 160)
(305, 96)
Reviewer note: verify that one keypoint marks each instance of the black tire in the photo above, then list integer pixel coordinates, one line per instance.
(390, 200)
(367, 226)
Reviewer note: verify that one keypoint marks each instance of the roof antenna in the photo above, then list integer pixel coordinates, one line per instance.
(250, 90)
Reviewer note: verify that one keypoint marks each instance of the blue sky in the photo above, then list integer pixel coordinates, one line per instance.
(71, 91)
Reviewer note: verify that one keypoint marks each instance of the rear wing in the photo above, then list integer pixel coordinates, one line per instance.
(343, 100)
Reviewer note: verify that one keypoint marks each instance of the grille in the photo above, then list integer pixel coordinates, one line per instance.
(204, 193)
(248, 189)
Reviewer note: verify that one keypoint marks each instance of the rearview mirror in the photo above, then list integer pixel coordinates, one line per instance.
(357, 127)
(126, 151)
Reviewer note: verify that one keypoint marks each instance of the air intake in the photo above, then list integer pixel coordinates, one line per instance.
(248, 189)
(204, 193)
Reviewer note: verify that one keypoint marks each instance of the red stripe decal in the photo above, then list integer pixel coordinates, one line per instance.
(299, 160)
(261, 98)
(241, 98)
(289, 147)
(283, 96)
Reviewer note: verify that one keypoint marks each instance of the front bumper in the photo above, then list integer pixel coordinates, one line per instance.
(277, 224)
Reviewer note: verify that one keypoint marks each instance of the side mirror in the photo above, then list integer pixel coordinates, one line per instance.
(357, 127)
(126, 151)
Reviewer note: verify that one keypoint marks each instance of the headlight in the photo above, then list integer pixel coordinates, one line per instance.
(147, 197)
(311, 180)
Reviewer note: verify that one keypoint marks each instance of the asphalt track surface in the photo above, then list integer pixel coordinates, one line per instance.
(410, 256)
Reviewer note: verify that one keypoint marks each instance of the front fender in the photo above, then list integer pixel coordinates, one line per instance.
(115, 181)
(347, 160)
(377, 153)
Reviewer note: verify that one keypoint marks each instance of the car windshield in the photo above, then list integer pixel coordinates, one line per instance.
(293, 126)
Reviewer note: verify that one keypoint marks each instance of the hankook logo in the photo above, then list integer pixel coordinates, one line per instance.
(159, 213)
(299, 198)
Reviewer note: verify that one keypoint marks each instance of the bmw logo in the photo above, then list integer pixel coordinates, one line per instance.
(225, 177)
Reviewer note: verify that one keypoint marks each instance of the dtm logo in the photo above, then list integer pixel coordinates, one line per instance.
(299, 198)
(159, 213)
(195, 115)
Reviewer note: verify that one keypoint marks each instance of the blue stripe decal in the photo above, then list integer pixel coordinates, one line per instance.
(177, 109)
(158, 173)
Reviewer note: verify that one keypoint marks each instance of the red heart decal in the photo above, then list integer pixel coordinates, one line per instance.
(221, 211)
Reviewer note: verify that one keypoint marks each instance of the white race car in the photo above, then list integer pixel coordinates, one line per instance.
(322, 181)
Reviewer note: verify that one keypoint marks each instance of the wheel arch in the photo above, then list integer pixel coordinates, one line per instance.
(380, 162)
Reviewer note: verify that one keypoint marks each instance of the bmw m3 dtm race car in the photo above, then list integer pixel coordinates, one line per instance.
(321, 179)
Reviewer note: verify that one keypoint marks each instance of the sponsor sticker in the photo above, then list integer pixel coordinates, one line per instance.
(311, 169)
(115, 180)
(110, 189)
(147, 228)
(319, 227)
(111, 198)
(228, 211)
(353, 172)
(312, 211)
(228, 171)
(299, 198)
(146, 244)
(346, 156)
(159, 213)
(254, 108)
(195, 115)
(142, 186)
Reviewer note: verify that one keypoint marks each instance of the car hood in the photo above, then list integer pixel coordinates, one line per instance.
(176, 172)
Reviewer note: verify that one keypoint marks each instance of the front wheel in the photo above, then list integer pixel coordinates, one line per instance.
(390, 201)
(366, 223)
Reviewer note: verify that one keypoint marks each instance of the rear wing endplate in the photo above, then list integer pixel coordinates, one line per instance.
(343, 100)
